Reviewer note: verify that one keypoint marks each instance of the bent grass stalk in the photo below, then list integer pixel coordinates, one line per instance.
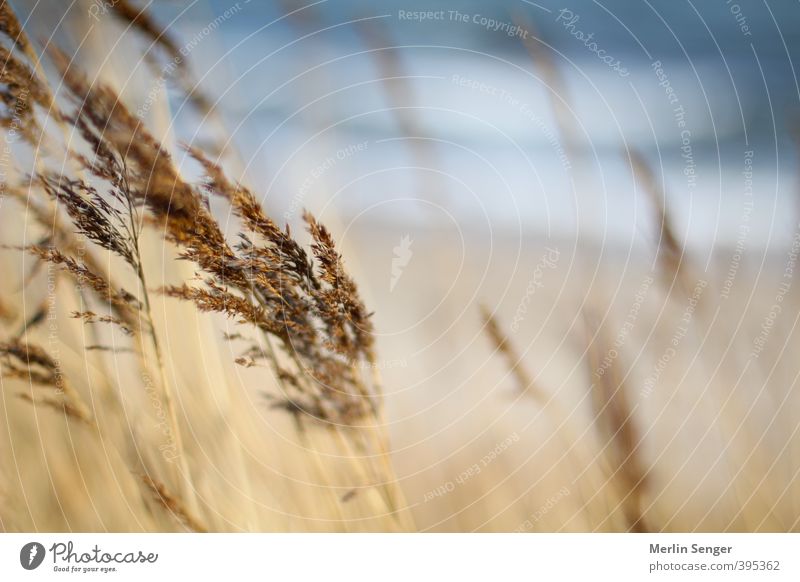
(271, 284)
(564, 432)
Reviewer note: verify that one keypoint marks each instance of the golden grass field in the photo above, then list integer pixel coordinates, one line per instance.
(514, 384)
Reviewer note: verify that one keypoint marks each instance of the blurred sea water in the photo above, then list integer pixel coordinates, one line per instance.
(363, 108)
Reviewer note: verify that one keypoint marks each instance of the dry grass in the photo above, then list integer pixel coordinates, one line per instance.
(503, 346)
(161, 371)
(670, 252)
(616, 420)
(299, 312)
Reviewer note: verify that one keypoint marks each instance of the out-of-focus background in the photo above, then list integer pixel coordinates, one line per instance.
(481, 152)
(300, 82)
